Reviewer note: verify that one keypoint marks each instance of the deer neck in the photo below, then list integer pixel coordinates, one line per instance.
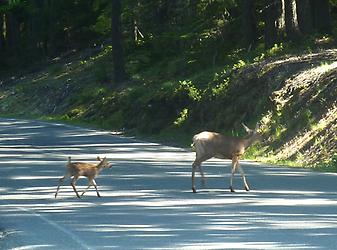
(249, 140)
(99, 166)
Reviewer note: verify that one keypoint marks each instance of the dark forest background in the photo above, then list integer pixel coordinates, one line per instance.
(204, 31)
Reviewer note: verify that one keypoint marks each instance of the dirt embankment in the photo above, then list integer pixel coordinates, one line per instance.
(300, 114)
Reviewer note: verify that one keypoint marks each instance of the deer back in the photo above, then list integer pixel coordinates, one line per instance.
(82, 169)
(213, 144)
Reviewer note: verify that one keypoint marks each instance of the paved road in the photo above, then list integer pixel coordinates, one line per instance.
(146, 199)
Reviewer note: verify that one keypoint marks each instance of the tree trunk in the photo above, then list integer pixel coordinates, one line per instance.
(34, 24)
(249, 25)
(192, 8)
(291, 24)
(13, 35)
(161, 16)
(271, 14)
(2, 38)
(321, 15)
(304, 16)
(117, 48)
(50, 40)
(2, 42)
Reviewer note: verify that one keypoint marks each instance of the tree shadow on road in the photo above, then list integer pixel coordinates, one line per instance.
(146, 199)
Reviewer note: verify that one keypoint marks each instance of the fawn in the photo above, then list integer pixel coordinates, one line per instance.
(77, 169)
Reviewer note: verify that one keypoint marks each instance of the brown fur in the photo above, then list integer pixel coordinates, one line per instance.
(89, 170)
(210, 144)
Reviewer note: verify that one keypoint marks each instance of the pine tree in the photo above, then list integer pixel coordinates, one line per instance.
(117, 47)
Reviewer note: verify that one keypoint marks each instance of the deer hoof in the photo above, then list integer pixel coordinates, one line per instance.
(194, 191)
(232, 190)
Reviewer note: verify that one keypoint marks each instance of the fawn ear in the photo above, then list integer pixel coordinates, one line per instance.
(99, 158)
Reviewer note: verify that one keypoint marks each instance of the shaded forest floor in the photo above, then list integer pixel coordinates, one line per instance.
(294, 97)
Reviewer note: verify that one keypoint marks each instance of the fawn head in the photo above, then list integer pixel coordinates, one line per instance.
(104, 163)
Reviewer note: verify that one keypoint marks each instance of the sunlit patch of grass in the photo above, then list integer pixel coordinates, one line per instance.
(329, 165)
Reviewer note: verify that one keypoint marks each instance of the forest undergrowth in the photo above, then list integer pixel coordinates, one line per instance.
(292, 96)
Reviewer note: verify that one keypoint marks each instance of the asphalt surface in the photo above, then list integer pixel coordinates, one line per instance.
(147, 202)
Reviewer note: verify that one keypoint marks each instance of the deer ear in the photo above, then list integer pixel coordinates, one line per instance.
(257, 126)
(248, 130)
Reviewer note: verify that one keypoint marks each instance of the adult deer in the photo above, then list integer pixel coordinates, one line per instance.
(210, 144)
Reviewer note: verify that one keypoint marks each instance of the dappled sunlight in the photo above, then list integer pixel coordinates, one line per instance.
(289, 173)
(27, 247)
(177, 203)
(32, 177)
(147, 200)
(244, 245)
(130, 228)
(307, 96)
(88, 134)
(300, 224)
(298, 142)
(295, 202)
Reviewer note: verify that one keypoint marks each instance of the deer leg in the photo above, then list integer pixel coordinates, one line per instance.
(89, 185)
(235, 160)
(61, 183)
(197, 165)
(203, 179)
(73, 182)
(243, 177)
(194, 166)
(95, 185)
